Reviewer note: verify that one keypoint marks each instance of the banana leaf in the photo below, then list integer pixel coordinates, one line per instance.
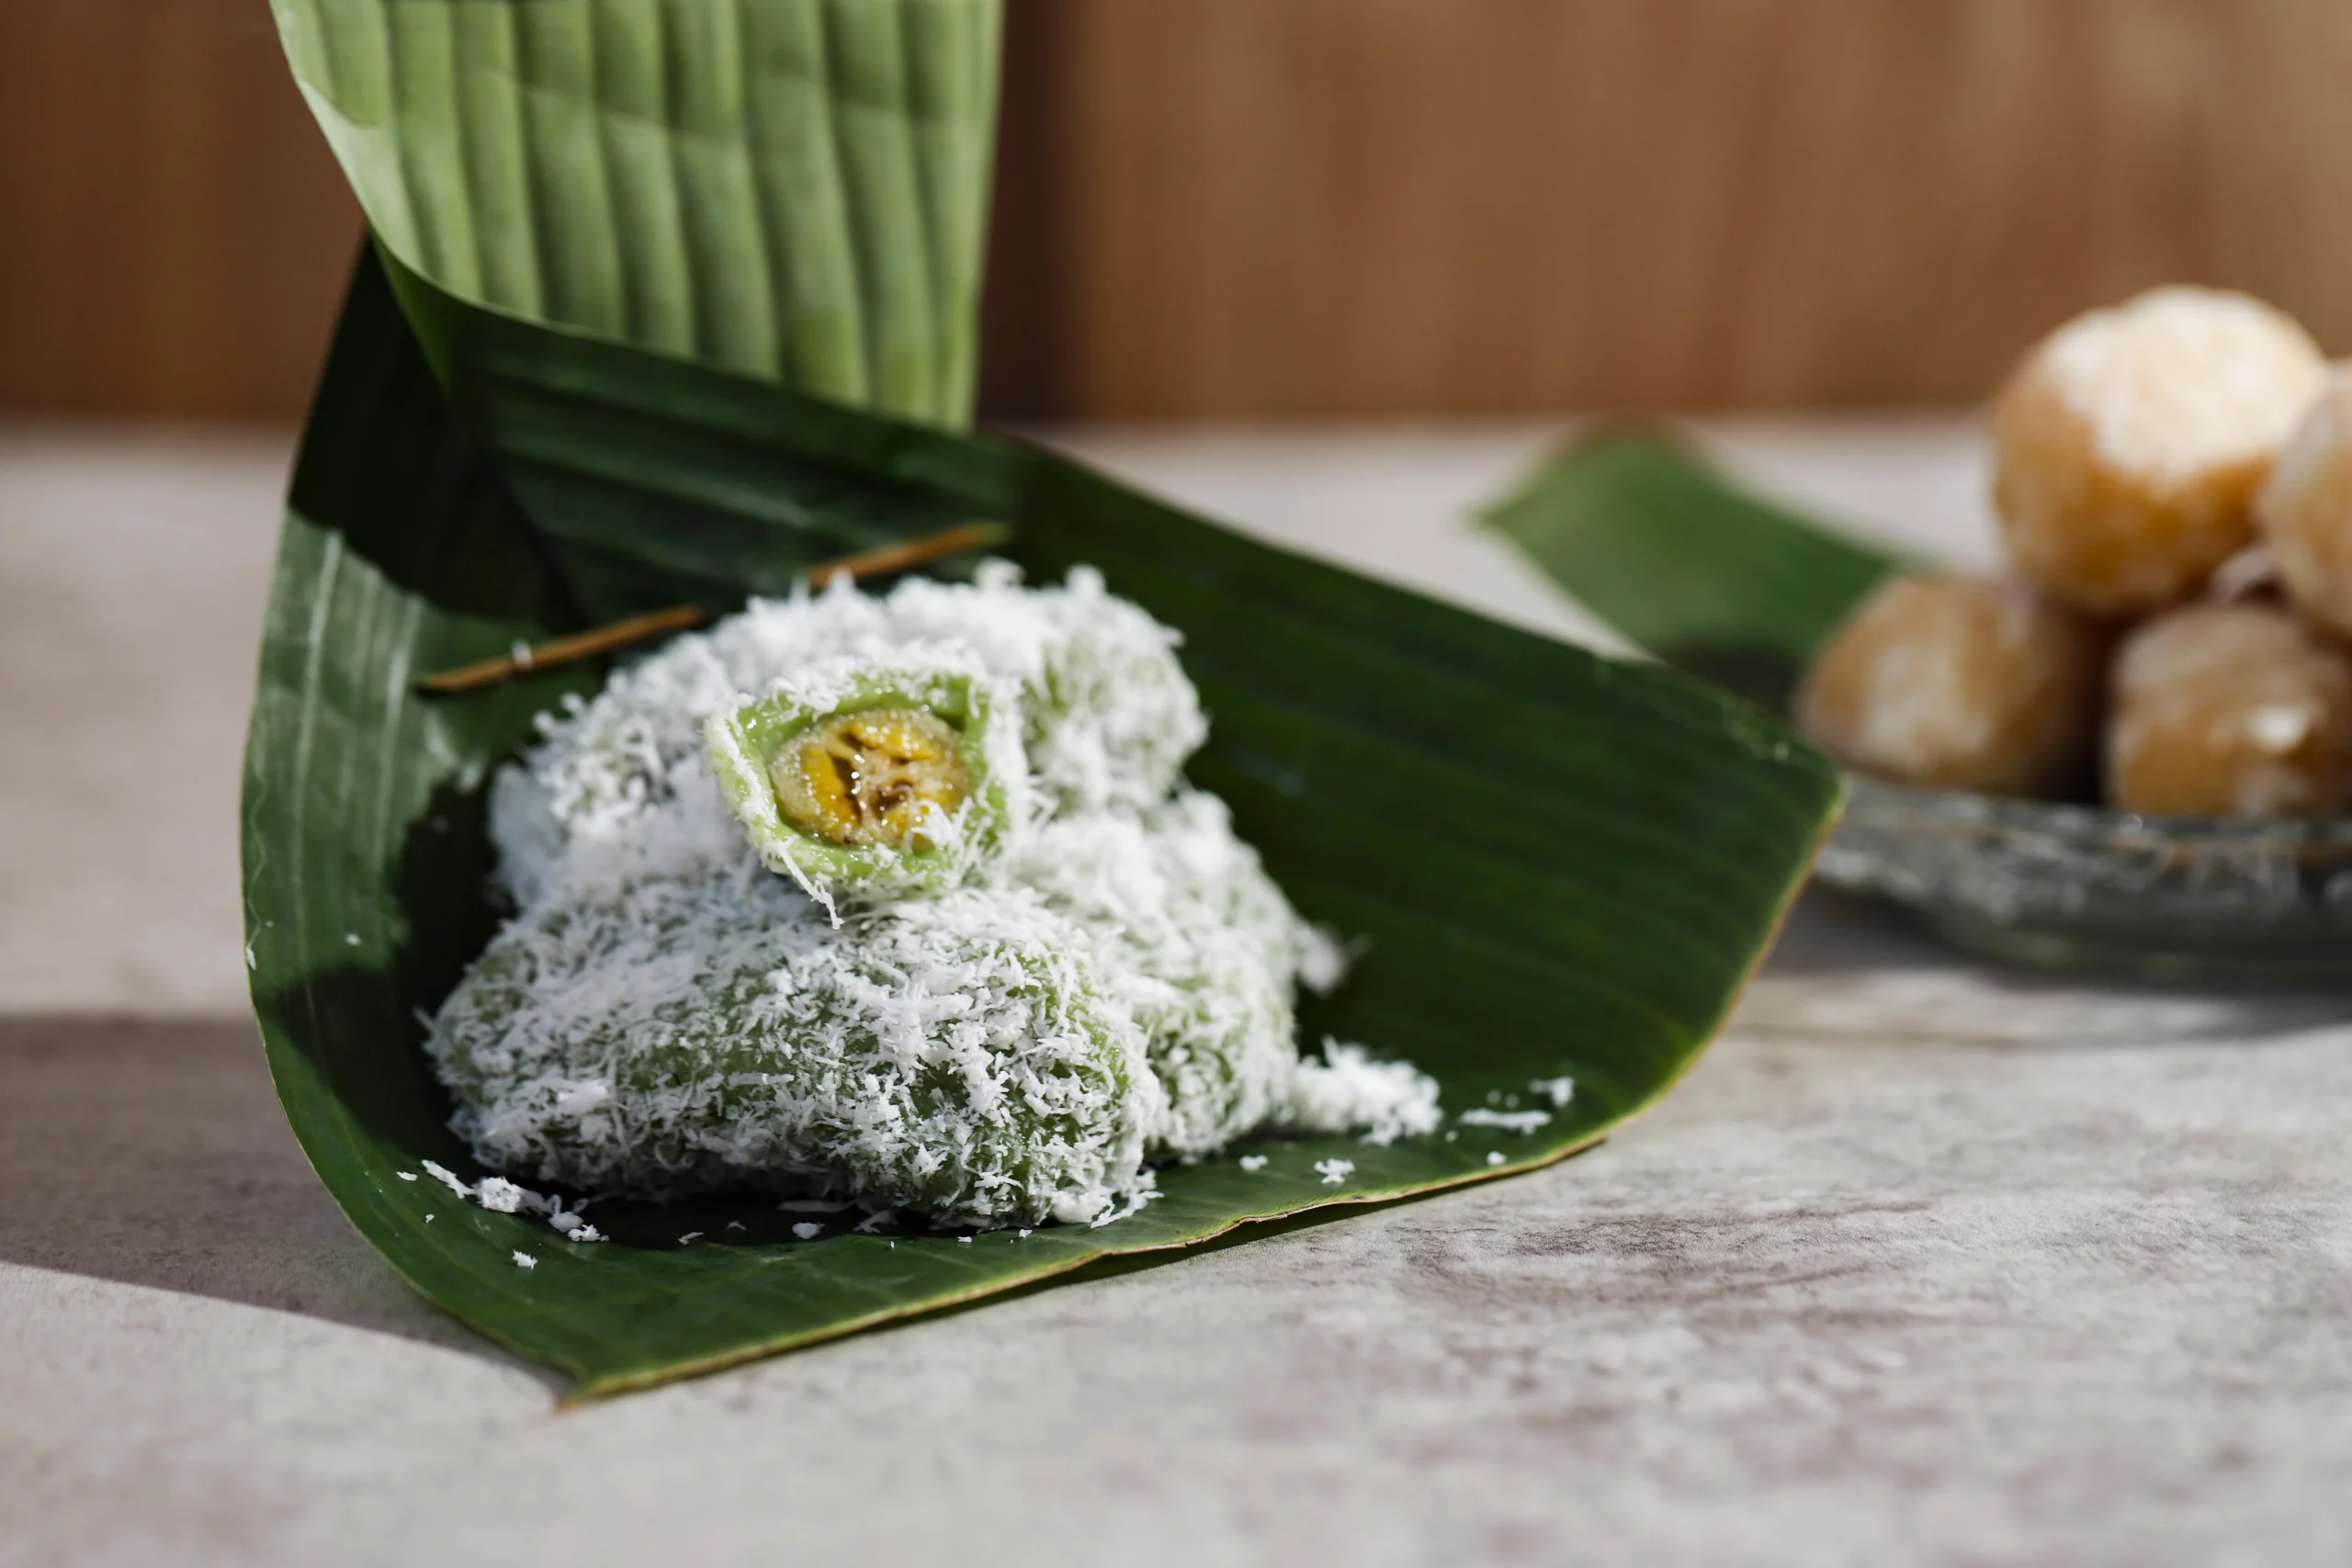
(794, 189)
(1692, 569)
(1555, 865)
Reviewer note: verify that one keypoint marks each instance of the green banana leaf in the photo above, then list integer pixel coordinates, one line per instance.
(1555, 864)
(1690, 568)
(794, 189)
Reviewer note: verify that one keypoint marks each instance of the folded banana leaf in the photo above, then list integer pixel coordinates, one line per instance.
(1557, 867)
(795, 189)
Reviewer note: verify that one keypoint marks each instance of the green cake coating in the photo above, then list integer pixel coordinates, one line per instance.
(960, 1058)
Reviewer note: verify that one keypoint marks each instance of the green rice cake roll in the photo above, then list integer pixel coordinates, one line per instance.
(960, 1059)
(1195, 938)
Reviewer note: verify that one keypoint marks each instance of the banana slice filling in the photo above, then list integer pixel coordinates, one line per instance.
(879, 777)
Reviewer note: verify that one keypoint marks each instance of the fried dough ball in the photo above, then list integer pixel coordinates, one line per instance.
(1961, 682)
(2231, 710)
(2128, 444)
(2305, 509)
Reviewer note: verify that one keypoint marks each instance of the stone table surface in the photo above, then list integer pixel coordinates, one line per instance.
(1926, 1262)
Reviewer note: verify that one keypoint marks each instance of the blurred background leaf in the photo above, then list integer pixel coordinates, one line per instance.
(1688, 567)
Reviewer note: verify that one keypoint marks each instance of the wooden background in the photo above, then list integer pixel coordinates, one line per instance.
(174, 234)
(1232, 209)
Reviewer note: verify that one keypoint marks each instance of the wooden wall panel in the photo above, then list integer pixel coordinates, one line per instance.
(174, 234)
(1397, 207)
(1328, 207)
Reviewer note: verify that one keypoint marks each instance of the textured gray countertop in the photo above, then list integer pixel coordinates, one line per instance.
(1925, 1263)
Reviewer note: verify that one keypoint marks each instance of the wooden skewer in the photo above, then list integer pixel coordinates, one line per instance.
(884, 560)
(562, 651)
(879, 561)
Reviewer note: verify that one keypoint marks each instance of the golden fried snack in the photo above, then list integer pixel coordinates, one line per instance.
(2231, 710)
(2128, 444)
(1961, 682)
(2304, 510)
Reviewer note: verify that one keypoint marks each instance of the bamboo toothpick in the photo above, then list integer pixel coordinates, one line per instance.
(562, 651)
(879, 561)
(884, 560)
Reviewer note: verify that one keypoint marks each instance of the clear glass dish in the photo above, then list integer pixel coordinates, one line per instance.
(2173, 898)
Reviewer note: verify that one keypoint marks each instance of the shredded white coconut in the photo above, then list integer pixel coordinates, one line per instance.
(449, 1178)
(1109, 982)
(1198, 944)
(1559, 1090)
(499, 1195)
(1253, 1163)
(1349, 1089)
(1322, 957)
(525, 1260)
(808, 1230)
(1142, 1194)
(1334, 1171)
(1522, 1122)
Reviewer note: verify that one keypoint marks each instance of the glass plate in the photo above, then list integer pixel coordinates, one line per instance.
(2195, 898)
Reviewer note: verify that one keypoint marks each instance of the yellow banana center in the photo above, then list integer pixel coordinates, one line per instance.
(872, 777)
